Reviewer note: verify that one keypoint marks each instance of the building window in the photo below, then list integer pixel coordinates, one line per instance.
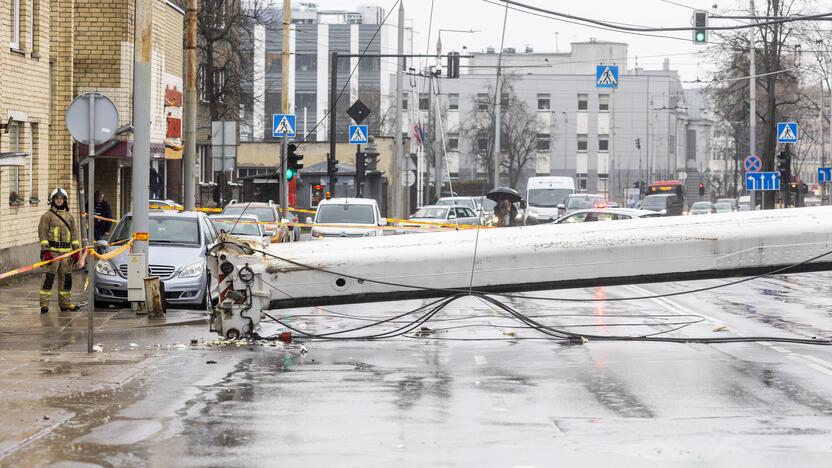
(219, 85)
(482, 102)
(543, 102)
(306, 62)
(423, 101)
(582, 102)
(203, 160)
(581, 181)
(603, 102)
(453, 101)
(15, 39)
(404, 102)
(543, 142)
(201, 87)
(603, 142)
(34, 150)
(603, 181)
(14, 171)
(453, 141)
(582, 142)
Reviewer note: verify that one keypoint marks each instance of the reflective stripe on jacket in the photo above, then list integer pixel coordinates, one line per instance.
(56, 235)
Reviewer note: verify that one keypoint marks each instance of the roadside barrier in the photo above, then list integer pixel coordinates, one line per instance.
(89, 250)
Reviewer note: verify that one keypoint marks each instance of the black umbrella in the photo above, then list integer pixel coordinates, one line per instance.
(500, 193)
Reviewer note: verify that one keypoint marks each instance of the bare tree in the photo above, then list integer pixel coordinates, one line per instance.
(225, 45)
(519, 128)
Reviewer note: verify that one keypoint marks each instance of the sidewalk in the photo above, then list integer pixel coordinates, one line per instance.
(45, 357)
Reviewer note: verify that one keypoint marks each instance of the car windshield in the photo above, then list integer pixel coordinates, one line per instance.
(433, 212)
(723, 206)
(701, 205)
(263, 213)
(579, 203)
(345, 214)
(654, 202)
(164, 230)
(548, 197)
(245, 227)
(488, 205)
(456, 202)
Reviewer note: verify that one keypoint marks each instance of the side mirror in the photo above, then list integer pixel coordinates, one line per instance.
(382, 222)
(309, 220)
(561, 206)
(451, 216)
(523, 204)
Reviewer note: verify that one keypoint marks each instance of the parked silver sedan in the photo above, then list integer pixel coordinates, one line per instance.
(605, 214)
(443, 214)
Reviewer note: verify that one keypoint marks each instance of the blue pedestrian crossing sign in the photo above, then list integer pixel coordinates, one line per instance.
(358, 134)
(606, 76)
(786, 132)
(755, 181)
(283, 125)
(824, 175)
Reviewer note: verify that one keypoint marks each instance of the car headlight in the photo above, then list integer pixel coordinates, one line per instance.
(105, 268)
(191, 270)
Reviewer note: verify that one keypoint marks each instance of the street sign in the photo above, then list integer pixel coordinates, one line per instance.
(358, 111)
(407, 178)
(824, 175)
(786, 132)
(752, 163)
(358, 134)
(762, 181)
(223, 145)
(105, 116)
(606, 76)
(283, 125)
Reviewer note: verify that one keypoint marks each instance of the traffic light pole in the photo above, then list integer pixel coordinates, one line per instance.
(284, 184)
(787, 198)
(359, 193)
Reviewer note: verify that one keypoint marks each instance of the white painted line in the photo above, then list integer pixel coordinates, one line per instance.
(820, 369)
(779, 349)
(480, 360)
(498, 403)
(818, 360)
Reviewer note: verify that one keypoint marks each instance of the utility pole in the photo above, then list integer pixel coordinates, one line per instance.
(752, 98)
(142, 61)
(498, 99)
(189, 158)
(284, 105)
(333, 97)
(822, 141)
(399, 198)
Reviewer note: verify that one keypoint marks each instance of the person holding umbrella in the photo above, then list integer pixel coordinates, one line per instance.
(505, 213)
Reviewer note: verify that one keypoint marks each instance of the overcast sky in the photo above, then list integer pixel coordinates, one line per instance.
(542, 34)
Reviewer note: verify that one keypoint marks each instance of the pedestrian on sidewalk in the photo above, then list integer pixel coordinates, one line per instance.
(58, 236)
(102, 209)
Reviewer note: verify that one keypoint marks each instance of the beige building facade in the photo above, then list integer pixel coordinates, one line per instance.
(59, 49)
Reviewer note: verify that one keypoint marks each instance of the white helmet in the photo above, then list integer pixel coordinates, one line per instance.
(59, 192)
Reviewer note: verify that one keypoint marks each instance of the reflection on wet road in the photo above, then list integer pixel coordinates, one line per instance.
(470, 394)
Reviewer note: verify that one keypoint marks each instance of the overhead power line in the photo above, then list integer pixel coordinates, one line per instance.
(620, 27)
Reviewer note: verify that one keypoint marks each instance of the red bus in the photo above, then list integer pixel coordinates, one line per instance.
(667, 186)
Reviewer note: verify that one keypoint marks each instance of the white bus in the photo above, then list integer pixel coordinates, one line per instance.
(544, 194)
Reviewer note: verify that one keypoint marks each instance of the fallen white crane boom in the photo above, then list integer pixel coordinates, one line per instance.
(548, 256)
(530, 258)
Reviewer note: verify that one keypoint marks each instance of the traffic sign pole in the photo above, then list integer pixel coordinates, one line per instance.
(91, 220)
(284, 185)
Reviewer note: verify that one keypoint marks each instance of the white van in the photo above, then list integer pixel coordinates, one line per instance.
(347, 217)
(544, 194)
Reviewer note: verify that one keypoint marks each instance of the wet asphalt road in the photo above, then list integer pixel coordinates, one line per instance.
(470, 394)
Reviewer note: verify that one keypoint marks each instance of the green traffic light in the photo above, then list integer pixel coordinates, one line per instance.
(700, 36)
(290, 174)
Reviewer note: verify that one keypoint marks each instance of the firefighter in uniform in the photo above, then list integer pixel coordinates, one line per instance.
(58, 236)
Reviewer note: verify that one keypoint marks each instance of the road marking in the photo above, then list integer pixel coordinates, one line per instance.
(498, 403)
(817, 360)
(480, 360)
(779, 349)
(800, 358)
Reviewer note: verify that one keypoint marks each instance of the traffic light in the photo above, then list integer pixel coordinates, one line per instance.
(701, 189)
(360, 167)
(331, 166)
(294, 161)
(453, 65)
(700, 27)
(784, 165)
(638, 143)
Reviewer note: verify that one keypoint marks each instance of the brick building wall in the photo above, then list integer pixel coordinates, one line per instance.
(24, 100)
